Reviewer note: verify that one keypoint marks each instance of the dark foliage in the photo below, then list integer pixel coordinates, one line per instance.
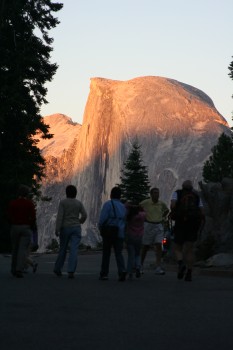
(220, 163)
(134, 177)
(25, 67)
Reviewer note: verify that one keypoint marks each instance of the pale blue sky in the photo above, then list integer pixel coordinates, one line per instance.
(187, 40)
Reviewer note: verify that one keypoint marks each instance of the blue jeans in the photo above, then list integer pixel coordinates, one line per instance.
(68, 236)
(117, 245)
(133, 248)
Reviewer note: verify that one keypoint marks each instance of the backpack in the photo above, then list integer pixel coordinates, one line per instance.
(187, 206)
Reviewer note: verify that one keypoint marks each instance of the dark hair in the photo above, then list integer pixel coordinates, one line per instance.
(154, 189)
(133, 210)
(71, 191)
(116, 192)
(23, 191)
(187, 185)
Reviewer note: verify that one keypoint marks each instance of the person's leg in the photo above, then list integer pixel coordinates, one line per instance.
(24, 243)
(179, 238)
(118, 247)
(137, 248)
(64, 240)
(106, 255)
(189, 258)
(180, 260)
(145, 249)
(158, 238)
(147, 240)
(131, 256)
(15, 236)
(178, 249)
(75, 238)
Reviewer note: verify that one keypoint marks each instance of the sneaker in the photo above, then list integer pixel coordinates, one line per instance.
(142, 271)
(103, 278)
(70, 275)
(58, 273)
(181, 271)
(34, 267)
(159, 271)
(188, 276)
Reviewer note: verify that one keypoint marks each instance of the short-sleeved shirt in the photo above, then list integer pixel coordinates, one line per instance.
(154, 211)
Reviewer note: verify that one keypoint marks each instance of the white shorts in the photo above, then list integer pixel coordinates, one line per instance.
(153, 233)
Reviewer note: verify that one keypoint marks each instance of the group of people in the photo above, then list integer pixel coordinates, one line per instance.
(138, 225)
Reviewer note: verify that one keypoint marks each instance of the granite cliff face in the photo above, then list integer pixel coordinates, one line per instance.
(176, 124)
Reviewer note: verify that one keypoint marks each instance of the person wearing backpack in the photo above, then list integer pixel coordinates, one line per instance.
(188, 213)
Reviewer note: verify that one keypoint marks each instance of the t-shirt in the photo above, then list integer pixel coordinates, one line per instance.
(154, 211)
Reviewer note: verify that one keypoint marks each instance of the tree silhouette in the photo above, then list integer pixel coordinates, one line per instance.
(220, 163)
(134, 177)
(25, 49)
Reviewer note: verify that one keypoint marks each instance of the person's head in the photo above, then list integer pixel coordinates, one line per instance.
(154, 193)
(187, 185)
(115, 193)
(23, 191)
(71, 191)
(133, 210)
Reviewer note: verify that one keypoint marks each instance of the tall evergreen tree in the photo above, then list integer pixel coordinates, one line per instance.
(25, 67)
(220, 163)
(134, 177)
(231, 76)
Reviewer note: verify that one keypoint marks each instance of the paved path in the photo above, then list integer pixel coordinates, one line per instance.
(43, 311)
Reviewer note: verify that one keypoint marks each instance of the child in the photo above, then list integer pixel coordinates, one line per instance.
(134, 232)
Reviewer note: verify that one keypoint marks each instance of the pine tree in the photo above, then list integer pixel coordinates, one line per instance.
(220, 163)
(231, 76)
(134, 177)
(25, 50)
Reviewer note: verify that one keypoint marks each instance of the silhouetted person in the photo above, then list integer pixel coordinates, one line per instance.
(22, 215)
(187, 211)
(71, 214)
(112, 228)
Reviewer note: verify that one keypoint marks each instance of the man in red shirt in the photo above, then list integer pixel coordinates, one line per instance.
(22, 215)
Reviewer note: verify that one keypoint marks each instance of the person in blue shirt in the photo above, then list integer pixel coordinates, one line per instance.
(112, 228)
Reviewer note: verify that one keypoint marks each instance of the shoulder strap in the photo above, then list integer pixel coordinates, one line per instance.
(114, 208)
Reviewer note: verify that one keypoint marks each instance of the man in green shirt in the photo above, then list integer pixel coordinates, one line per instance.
(156, 211)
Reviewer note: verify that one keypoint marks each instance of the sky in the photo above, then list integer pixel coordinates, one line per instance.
(186, 40)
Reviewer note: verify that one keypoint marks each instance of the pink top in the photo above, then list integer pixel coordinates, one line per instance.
(135, 226)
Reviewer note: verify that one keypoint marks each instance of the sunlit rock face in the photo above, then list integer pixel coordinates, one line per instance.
(176, 125)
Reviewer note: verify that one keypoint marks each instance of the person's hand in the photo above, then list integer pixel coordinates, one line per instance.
(82, 220)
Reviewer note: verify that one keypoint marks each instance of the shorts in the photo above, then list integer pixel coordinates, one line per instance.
(185, 232)
(153, 234)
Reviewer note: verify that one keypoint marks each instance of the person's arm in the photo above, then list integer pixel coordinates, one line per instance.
(173, 206)
(165, 210)
(83, 214)
(173, 200)
(59, 219)
(104, 214)
(32, 216)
